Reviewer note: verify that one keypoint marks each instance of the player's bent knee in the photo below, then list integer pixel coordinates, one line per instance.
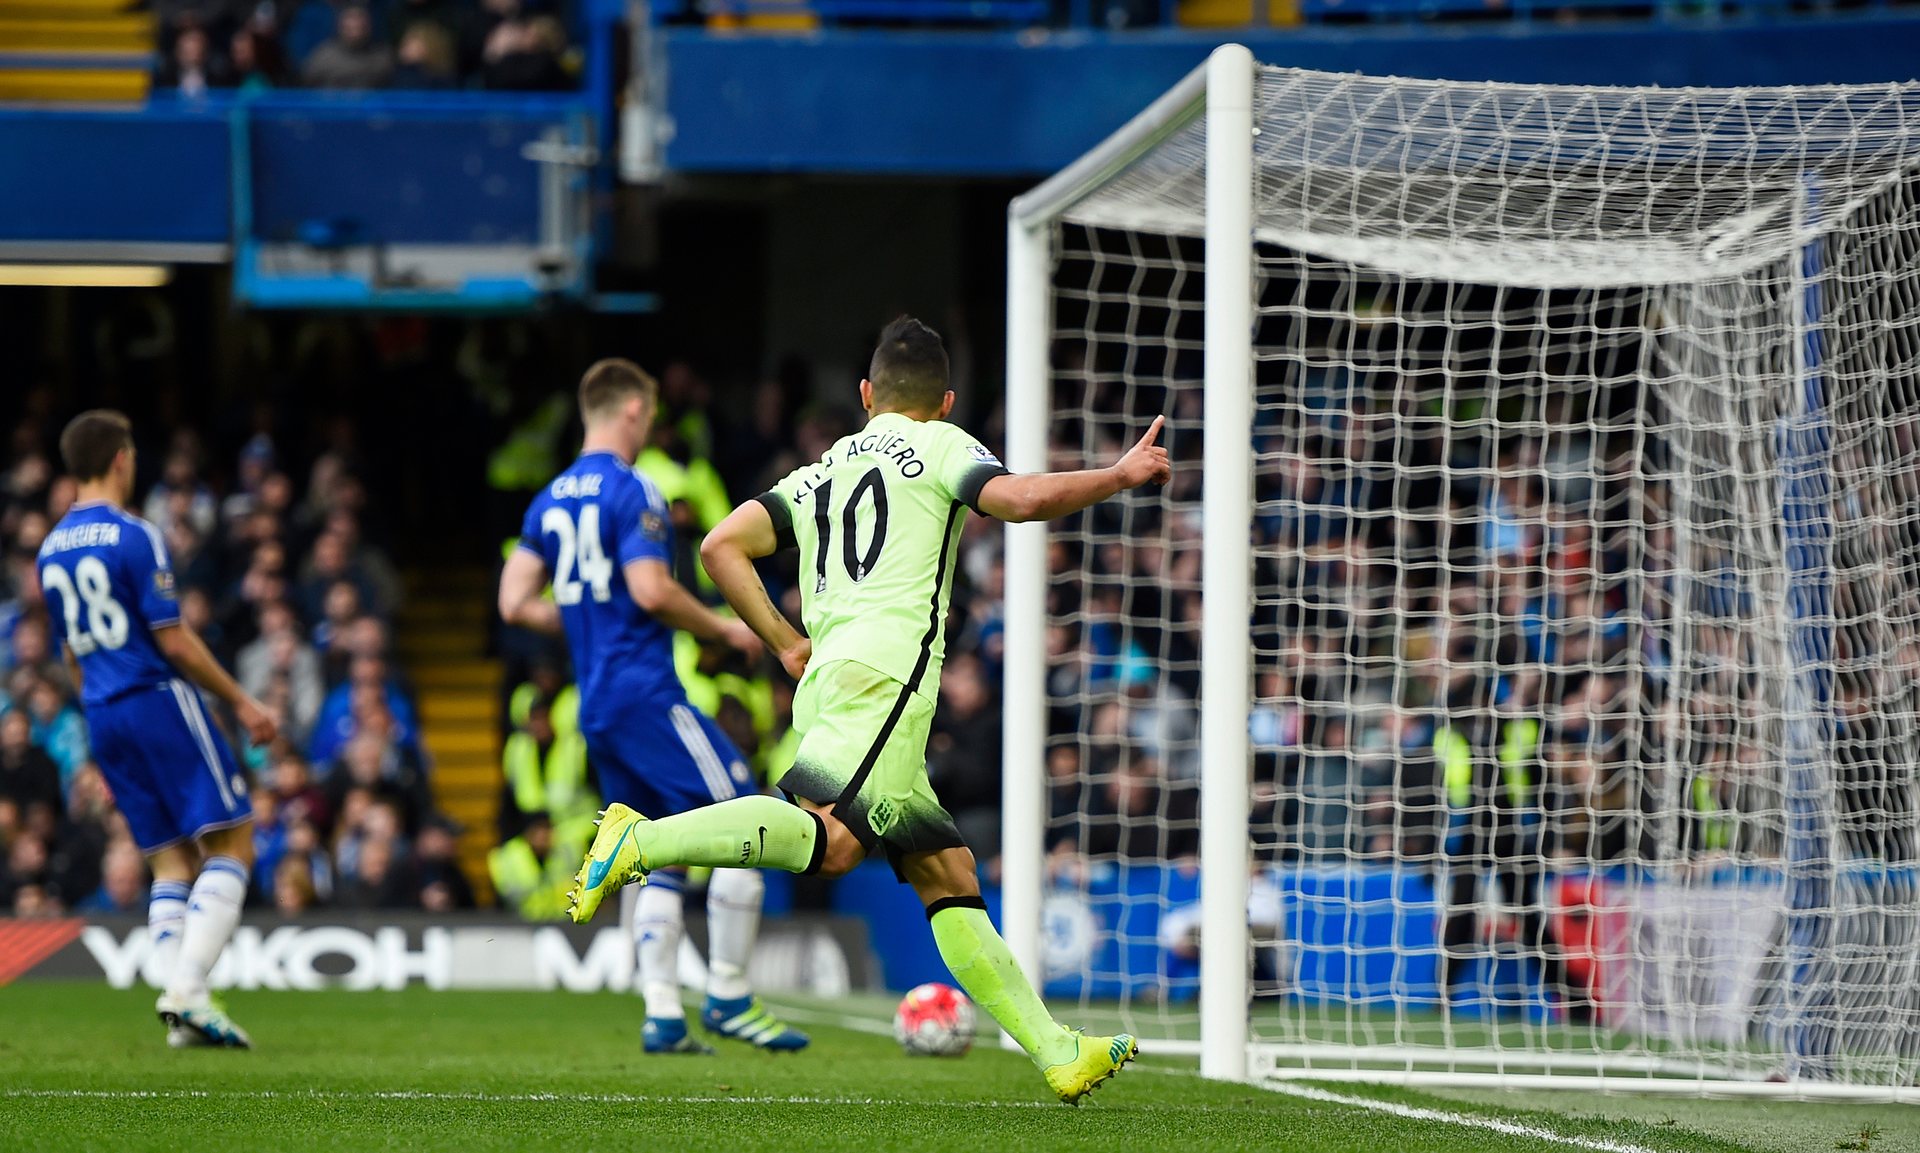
(844, 851)
(235, 842)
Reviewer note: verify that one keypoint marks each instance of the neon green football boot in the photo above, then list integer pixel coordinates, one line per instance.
(612, 863)
(1098, 1059)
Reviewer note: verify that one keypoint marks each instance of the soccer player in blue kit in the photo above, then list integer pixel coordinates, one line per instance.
(109, 586)
(603, 534)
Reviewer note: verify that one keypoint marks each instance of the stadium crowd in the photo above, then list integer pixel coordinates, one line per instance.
(1469, 647)
(280, 579)
(420, 45)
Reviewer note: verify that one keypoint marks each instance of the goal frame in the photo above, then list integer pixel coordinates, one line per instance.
(1220, 93)
(1221, 90)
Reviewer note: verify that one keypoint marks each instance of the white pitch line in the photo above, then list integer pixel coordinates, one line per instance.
(1307, 1092)
(492, 1098)
(1466, 1120)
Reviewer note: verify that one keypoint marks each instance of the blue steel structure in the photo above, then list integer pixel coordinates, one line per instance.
(957, 88)
(1017, 103)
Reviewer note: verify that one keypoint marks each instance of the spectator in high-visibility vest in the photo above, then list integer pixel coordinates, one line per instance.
(544, 765)
(533, 871)
(782, 743)
(711, 672)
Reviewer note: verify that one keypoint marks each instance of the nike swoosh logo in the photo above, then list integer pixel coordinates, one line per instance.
(597, 871)
(763, 840)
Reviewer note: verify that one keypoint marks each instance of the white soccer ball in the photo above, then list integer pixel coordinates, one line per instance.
(934, 1020)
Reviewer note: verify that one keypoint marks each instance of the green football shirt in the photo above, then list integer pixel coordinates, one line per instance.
(877, 522)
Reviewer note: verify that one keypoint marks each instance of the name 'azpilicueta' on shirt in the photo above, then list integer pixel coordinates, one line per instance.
(82, 536)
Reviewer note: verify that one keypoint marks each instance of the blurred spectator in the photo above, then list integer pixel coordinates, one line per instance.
(533, 871)
(352, 58)
(369, 764)
(454, 19)
(25, 868)
(256, 456)
(368, 691)
(426, 58)
(330, 564)
(293, 888)
(193, 68)
(258, 64)
(33, 650)
(544, 766)
(339, 611)
(365, 563)
(963, 753)
(524, 55)
(28, 776)
(280, 653)
(179, 495)
(57, 727)
(123, 883)
(299, 799)
(381, 878)
(441, 886)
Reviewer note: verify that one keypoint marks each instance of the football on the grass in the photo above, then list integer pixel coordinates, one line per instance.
(934, 1021)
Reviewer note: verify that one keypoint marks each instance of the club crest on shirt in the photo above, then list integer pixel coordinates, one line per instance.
(882, 816)
(163, 583)
(983, 454)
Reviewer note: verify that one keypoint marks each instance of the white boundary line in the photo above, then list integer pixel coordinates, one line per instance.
(1306, 1092)
(495, 1098)
(846, 1021)
(1465, 1120)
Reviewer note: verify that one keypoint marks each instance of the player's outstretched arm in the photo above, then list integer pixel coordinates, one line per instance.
(523, 583)
(188, 653)
(729, 552)
(1042, 496)
(666, 600)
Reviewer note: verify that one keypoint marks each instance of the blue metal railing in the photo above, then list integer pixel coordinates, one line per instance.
(1136, 14)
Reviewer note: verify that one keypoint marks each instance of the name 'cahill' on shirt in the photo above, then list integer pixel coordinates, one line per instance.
(567, 485)
(81, 536)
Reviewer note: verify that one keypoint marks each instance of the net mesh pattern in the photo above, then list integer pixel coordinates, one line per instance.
(1586, 555)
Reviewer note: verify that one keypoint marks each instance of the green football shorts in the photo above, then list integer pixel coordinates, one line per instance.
(863, 749)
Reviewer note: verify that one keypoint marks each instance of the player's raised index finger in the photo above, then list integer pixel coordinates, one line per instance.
(1147, 440)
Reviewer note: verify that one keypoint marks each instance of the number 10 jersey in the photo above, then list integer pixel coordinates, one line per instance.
(877, 521)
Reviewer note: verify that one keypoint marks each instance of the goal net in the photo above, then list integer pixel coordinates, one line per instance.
(1521, 677)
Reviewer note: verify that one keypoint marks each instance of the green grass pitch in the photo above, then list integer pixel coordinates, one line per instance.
(84, 1067)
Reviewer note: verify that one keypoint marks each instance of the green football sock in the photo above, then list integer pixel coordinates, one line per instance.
(985, 968)
(757, 832)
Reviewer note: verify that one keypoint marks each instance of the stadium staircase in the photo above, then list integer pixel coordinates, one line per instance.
(441, 638)
(75, 51)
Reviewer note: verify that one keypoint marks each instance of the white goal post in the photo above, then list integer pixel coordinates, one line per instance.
(1547, 512)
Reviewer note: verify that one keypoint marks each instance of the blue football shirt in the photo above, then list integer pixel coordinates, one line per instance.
(588, 525)
(108, 585)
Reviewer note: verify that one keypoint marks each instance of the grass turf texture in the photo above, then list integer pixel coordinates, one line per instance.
(84, 1067)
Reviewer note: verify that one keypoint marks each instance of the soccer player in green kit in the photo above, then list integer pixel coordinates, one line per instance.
(877, 521)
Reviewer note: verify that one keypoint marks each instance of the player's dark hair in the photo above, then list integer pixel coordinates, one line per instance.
(909, 369)
(91, 441)
(609, 383)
